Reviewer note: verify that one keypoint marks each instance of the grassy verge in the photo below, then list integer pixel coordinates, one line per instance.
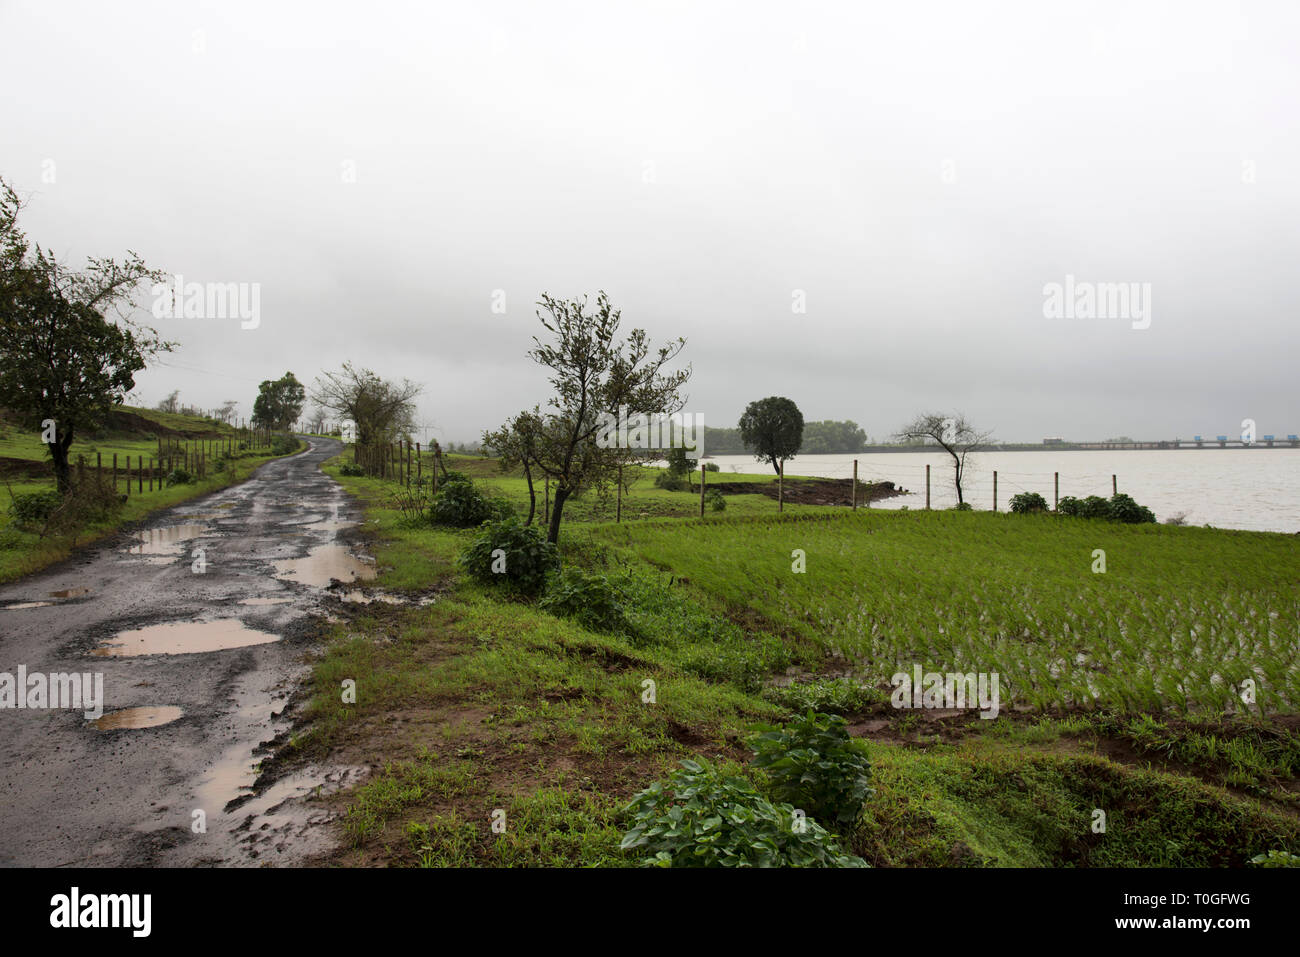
(479, 708)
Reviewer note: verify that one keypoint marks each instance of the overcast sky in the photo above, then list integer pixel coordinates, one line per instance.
(914, 173)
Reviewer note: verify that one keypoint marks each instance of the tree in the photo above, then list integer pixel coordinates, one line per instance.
(680, 465)
(594, 376)
(378, 409)
(772, 429)
(515, 444)
(953, 434)
(278, 403)
(171, 403)
(63, 364)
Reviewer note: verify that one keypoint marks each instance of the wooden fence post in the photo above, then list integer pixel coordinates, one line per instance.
(780, 487)
(419, 465)
(151, 473)
(702, 474)
(1114, 485)
(1056, 489)
(855, 485)
(927, 486)
(995, 490)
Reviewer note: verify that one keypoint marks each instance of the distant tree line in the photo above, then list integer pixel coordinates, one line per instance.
(819, 438)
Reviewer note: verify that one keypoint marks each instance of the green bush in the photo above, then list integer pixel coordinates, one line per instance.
(816, 765)
(717, 501)
(33, 509)
(527, 561)
(591, 600)
(178, 477)
(461, 505)
(967, 507)
(283, 445)
(1026, 502)
(1276, 859)
(672, 482)
(707, 818)
(1094, 506)
(351, 468)
(1069, 505)
(712, 467)
(1124, 509)
(833, 695)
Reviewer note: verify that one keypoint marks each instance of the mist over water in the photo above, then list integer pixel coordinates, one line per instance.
(1254, 489)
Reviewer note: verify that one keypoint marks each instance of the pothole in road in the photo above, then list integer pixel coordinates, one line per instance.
(183, 638)
(166, 540)
(133, 718)
(70, 593)
(323, 564)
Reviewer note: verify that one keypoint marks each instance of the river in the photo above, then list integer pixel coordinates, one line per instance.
(1256, 489)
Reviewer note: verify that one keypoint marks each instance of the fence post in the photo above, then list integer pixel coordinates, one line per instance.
(702, 474)
(419, 465)
(855, 485)
(139, 473)
(927, 486)
(1056, 489)
(408, 463)
(780, 488)
(995, 490)
(618, 509)
(1114, 485)
(151, 473)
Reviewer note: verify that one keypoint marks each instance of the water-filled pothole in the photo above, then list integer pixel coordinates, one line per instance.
(184, 638)
(70, 593)
(166, 540)
(266, 601)
(132, 718)
(323, 564)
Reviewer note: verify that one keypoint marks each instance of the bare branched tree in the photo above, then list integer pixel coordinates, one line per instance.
(952, 433)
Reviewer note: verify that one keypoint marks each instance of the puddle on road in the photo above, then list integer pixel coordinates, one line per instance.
(166, 540)
(132, 718)
(323, 564)
(266, 601)
(19, 606)
(70, 593)
(184, 638)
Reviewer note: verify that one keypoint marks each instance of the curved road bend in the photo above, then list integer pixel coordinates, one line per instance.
(76, 792)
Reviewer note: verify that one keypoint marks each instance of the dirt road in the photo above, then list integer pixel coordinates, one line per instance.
(199, 620)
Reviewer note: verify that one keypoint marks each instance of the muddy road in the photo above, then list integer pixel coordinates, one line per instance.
(200, 626)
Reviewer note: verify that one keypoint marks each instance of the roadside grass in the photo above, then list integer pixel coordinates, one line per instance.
(480, 705)
(24, 552)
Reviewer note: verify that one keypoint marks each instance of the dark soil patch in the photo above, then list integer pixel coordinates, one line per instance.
(815, 491)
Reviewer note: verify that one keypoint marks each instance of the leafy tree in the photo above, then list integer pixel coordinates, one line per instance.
(953, 434)
(278, 403)
(592, 374)
(379, 410)
(828, 437)
(170, 404)
(63, 364)
(515, 445)
(772, 429)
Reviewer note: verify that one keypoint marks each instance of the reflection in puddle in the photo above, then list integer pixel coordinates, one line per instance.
(184, 638)
(323, 564)
(165, 541)
(131, 718)
(26, 604)
(265, 601)
(70, 593)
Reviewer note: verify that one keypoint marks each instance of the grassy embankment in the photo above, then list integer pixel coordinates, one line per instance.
(25, 467)
(477, 703)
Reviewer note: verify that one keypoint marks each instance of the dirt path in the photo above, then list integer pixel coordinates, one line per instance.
(73, 793)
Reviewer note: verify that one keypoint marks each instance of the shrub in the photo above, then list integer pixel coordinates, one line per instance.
(813, 763)
(672, 481)
(351, 468)
(1026, 502)
(178, 477)
(717, 501)
(712, 467)
(591, 600)
(1069, 505)
(967, 507)
(283, 445)
(1124, 509)
(1276, 858)
(33, 509)
(707, 818)
(1094, 506)
(527, 560)
(833, 695)
(461, 505)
